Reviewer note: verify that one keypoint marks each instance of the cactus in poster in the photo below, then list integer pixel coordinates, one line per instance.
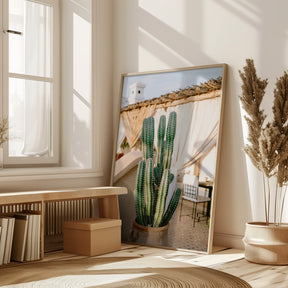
(154, 179)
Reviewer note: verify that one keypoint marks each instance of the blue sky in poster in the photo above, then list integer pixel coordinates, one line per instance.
(157, 84)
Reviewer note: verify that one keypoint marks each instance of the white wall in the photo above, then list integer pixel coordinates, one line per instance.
(86, 85)
(163, 34)
(76, 133)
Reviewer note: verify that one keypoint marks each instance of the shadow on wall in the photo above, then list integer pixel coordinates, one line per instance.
(144, 31)
(81, 150)
(163, 41)
(268, 19)
(154, 36)
(76, 84)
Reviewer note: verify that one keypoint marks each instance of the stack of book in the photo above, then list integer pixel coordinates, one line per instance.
(20, 238)
(6, 239)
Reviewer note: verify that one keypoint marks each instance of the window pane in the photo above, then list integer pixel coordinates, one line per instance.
(29, 118)
(30, 53)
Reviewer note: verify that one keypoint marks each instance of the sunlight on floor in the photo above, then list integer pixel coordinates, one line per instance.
(210, 260)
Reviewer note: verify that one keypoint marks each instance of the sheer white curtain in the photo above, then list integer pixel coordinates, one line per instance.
(202, 135)
(121, 135)
(37, 94)
(196, 134)
(36, 126)
(196, 130)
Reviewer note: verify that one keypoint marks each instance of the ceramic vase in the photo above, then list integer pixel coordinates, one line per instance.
(266, 244)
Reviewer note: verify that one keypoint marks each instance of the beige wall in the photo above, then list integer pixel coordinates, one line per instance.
(163, 34)
(147, 35)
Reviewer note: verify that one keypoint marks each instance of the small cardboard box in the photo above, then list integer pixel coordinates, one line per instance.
(91, 237)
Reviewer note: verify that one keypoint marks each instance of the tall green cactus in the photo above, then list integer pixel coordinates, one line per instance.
(153, 180)
(148, 189)
(171, 208)
(161, 200)
(139, 199)
(169, 145)
(148, 137)
(161, 135)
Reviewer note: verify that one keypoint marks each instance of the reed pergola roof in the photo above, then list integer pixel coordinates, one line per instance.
(204, 91)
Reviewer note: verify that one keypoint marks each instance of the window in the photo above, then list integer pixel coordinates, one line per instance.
(31, 81)
(34, 80)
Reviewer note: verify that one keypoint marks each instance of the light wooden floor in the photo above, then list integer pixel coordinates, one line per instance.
(66, 270)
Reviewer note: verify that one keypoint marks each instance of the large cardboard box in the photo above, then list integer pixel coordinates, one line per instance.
(91, 237)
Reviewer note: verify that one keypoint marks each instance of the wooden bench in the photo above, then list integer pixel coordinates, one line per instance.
(107, 201)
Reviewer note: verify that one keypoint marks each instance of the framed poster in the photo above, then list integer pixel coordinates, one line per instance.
(166, 154)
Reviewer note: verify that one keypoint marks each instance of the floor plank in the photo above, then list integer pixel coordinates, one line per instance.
(59, 267)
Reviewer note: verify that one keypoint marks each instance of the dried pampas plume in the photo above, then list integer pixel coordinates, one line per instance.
(268, 144)
(253, 91)
(4, 126)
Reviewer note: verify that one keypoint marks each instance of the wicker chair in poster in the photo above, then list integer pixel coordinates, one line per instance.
(191, 193)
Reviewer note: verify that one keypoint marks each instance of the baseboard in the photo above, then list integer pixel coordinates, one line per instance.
(228, 240)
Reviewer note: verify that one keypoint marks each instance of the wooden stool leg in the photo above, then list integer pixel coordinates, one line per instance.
(109, 207)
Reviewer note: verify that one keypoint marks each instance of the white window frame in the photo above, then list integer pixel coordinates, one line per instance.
(61, 177)
(54, 80)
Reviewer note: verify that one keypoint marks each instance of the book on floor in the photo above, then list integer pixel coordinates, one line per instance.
(4, 226)
(9, 240)
(20, 237)
(32, 248)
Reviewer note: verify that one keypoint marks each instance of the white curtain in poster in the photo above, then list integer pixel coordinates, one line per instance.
(196, 130)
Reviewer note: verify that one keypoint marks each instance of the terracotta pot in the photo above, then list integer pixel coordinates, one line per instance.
(150, 235)
(266, 244)
(153, 229)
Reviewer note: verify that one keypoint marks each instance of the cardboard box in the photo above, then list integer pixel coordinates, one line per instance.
(91, 237)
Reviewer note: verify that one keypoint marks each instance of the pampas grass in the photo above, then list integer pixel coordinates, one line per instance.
(4, 126)
(267, 142)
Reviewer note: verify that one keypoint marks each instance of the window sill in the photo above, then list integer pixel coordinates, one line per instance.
(46, 173)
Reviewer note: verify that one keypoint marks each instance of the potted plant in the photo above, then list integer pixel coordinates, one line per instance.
(3, 137)
(267, 242)
(154, 177)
